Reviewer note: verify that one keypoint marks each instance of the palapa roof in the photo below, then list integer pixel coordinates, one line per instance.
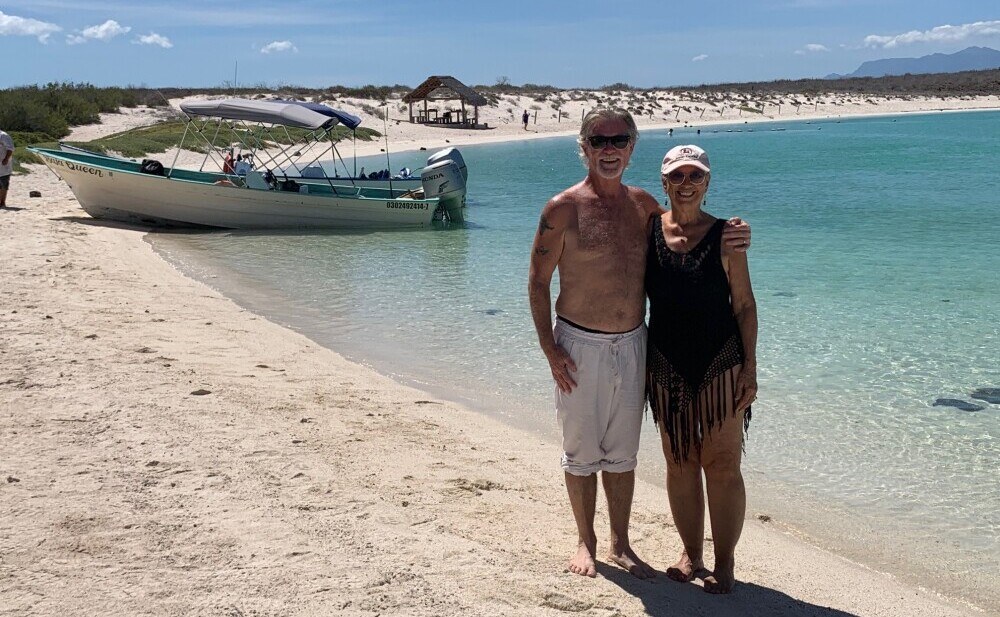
(445, 88)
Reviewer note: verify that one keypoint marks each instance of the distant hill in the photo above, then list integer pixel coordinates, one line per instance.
(969, 59)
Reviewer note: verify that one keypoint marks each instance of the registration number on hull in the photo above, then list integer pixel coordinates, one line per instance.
(405, 205)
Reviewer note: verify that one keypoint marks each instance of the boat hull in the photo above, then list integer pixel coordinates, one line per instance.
(453, 202)
(106, 191)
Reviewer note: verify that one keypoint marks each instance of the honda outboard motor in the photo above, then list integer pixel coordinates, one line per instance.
(444, 180)
(450, 154)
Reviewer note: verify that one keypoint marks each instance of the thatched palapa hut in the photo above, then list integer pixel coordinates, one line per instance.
(445, 88)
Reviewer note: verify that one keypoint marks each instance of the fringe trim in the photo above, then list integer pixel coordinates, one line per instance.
(689, 414)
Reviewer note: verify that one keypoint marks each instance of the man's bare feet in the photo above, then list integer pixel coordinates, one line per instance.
(583, 562)
(685, 569)
(626, 558)
(722, 579)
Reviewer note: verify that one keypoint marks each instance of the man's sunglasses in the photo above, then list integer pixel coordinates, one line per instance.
(677, 177)
(620, 142)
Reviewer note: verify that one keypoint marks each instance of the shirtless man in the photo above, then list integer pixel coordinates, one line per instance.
(595, 233)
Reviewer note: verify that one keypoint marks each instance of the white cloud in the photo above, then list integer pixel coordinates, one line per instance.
(699, 58)
(811, 48)
(940, 34)
(75, 39)
(153, 39)
(12, 25)
(106, 31)
(278, 46)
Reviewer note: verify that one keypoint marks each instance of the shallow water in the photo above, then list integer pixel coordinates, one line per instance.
(875, 264)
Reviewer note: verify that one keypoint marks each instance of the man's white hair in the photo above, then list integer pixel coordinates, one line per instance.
(605, 113)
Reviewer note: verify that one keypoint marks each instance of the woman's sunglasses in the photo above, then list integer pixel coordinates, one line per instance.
(620, 142)
(677, 177)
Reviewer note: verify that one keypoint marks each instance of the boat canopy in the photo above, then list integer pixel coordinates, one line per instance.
(349, 120)
(273, 112)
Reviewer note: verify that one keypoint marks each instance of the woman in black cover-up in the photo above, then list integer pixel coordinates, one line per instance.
(701, 366)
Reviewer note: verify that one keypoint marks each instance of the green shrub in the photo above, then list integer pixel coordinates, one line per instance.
(22, 138)
(23, 157)
(54, 107)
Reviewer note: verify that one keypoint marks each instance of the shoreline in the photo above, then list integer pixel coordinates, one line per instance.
(248, 496)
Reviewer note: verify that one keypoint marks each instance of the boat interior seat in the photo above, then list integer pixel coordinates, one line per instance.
(255, 180)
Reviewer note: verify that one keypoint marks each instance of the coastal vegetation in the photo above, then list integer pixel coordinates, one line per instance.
(42, 115)
(965, 83)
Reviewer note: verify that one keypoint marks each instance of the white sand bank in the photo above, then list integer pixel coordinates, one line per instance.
(301, 484)
(673, 111)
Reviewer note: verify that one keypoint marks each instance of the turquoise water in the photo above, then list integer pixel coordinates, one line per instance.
(875, 264)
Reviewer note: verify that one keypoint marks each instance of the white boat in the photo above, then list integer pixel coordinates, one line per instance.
(120, 189)
(312, 173)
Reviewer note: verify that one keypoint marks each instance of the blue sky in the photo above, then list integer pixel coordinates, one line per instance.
(583, 43)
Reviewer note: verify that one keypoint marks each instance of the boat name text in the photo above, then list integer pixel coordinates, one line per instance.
(77, 167)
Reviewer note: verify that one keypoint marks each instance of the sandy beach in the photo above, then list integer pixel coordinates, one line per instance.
(167, 452)
(672, 110)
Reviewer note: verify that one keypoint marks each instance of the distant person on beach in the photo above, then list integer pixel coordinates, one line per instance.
(701, 366)
(6, 166)
(524, 119)
(595, 233)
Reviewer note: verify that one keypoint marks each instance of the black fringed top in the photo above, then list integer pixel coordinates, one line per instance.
(694, 338)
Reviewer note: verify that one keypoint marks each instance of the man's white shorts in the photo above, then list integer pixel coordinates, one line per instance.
(601, 418)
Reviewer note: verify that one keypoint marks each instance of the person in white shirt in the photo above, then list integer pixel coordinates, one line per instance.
(242, 165)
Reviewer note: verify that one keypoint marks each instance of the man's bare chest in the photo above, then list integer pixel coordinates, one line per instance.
(610, 235)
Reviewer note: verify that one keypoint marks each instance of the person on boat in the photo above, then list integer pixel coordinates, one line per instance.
(701, 365)
(227, 163)
(242, 165)
(595, 234)
(6, 166)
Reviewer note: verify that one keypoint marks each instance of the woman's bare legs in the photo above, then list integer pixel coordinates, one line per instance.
(721, 455)
(687, 505)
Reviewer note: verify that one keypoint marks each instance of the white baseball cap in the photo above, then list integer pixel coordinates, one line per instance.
(679, 156)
